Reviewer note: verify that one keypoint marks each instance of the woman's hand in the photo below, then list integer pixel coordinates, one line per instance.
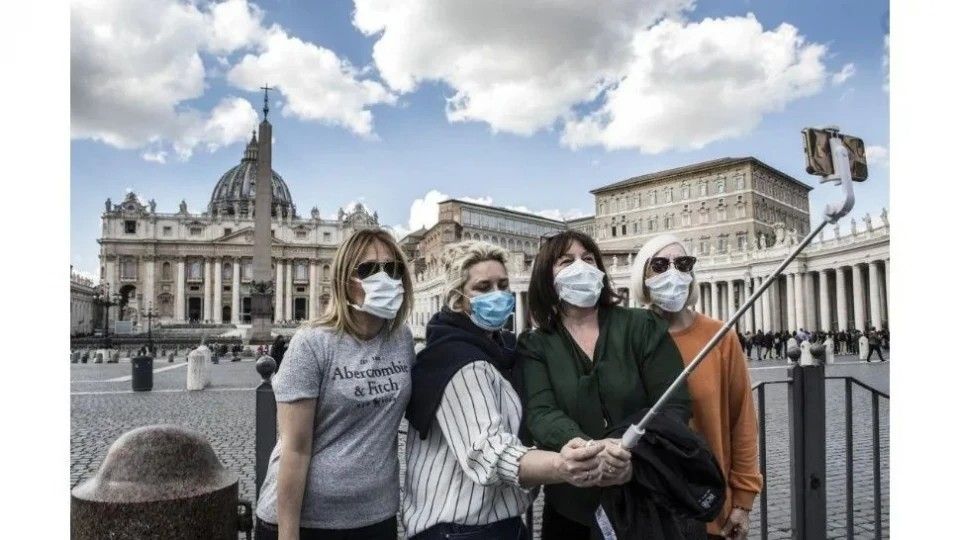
(616, 466)
(577, 462)
(737, 525)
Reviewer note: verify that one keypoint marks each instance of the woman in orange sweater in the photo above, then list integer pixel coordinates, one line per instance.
(723, 411)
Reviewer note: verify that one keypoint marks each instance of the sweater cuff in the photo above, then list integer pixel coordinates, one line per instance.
(742, 498)
(508, 466)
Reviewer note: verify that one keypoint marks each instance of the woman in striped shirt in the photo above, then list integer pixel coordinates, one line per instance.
(468, 473)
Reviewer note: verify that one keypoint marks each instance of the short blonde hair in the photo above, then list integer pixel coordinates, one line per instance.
(459, 258)
(339, 315)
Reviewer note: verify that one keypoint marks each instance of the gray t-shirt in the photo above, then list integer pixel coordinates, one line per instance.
(362, 389)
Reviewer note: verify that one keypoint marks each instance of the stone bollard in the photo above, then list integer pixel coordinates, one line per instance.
(85, 358)
(98, 357)
(114, 357)
(197, 368)
(806, 358)
(74, 357)
(828, 347)
(159, 481)
(170, 358)
(864, 347)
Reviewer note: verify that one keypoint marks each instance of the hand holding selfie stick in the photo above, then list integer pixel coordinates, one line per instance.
(832, 213)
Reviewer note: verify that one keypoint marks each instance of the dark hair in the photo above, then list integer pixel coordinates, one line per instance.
(543, 298)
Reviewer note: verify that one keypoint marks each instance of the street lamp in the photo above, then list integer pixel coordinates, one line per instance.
(150, 313)
(106, 300)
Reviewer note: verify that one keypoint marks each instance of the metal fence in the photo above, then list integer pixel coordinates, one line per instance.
(806, 402)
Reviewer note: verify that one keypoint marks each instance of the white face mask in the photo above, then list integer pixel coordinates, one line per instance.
(670, 289)
(382, 296)
(579, 284)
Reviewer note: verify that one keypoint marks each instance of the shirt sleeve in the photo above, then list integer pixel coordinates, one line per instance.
(744, 477)
(550, 427)
(300, 372)
(475, 430)
(661, 364)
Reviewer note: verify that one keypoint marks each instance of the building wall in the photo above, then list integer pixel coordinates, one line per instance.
(83, 311)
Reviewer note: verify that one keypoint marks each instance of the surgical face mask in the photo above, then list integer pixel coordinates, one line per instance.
(382, 296)
(491, 310)
(670, 289)
(579, 284)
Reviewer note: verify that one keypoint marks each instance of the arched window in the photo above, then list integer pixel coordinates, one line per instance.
(326, 272)
(227, 272)
(166, 273)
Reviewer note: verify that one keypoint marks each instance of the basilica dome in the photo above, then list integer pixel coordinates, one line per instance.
(235, 192)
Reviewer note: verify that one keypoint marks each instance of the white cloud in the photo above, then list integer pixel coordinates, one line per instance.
(518, 66)
(877, 156)
(691, 84)
(840, 77)
(552, 213)
(157, 157)
(234, 24)
(136, 65)
(316, 83)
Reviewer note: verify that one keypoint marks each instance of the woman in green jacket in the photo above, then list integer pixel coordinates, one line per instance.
(588, 366)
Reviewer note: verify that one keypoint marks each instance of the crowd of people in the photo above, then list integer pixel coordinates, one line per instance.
(494, 417)
(773, 345)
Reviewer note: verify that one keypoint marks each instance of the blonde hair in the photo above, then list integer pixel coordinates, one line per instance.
(339, 315)
(459, 258)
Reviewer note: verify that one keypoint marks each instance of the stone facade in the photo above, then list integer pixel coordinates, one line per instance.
(199, 266)
(719, 206)
(85, 315)
(841, 281)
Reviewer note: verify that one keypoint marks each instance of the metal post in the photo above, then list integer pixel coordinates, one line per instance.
(266, 419)
(809, 453)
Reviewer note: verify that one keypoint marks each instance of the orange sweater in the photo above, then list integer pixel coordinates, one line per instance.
(723, 411)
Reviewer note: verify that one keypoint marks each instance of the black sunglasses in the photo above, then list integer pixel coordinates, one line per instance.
(394, 269)
(683, 263)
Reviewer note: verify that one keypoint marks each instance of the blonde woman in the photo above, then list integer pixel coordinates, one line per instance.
(341, 392)
(468, 472)
(723, 411)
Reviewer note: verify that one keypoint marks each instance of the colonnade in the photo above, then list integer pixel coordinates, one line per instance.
(842, 298)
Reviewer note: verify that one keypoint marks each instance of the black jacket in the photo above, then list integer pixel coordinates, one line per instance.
(453, 341)
(675, 476)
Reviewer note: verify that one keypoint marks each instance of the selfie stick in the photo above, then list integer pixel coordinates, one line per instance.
(832, 213)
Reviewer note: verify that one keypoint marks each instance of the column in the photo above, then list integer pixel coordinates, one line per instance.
(874, 269)
(748, 315)
(886, 289)
(277, 293)
(235, 307)
(731, 305)
(700, 298)
(519, 314)
(714, 300)
(841, 299)
(859, 313)
(810, 302)
(149, 279)
(207, 290)
(775, 305)
(791, 305)
(218, 290)
(288, 310)
(767, 309)
(825, 323)
(313, 302)
(180, 299)
(798, 284)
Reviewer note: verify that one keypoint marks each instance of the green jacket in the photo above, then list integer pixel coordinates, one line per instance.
(567, 395)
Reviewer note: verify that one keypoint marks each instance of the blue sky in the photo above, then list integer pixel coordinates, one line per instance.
(522, 107)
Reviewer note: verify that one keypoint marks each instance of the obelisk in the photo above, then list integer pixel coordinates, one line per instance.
(262, 289)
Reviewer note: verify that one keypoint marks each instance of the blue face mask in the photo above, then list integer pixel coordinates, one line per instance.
(491, 310)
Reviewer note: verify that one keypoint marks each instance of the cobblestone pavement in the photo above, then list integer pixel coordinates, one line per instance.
(103, 407)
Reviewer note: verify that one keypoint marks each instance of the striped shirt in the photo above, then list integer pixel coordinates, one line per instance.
(467, 469)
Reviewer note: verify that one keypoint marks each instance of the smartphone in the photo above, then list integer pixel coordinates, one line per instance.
(816, 145)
